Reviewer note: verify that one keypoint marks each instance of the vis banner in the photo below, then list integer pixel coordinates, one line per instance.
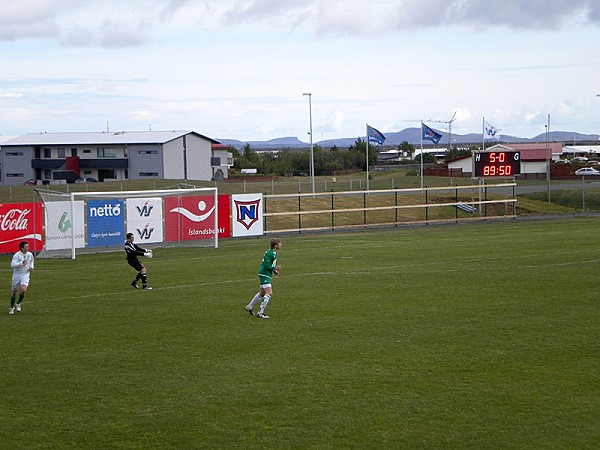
(247, 214)
(20, 222)
(144, 219)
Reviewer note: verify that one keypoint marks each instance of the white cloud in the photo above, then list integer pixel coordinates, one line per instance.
(238, 68)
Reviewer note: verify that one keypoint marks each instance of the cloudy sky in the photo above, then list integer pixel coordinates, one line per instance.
(238, 69)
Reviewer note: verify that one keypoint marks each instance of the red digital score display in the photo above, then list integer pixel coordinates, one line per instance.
(497, 164)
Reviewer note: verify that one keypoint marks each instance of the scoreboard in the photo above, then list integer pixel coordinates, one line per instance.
(496, 164)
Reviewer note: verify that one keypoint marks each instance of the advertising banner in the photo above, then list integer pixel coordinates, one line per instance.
(105, 223)
(144, 219)
(192, 217)
(247, 215)
(20, 222)
(60, 225)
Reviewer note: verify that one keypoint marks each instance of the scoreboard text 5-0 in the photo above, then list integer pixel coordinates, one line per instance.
(496, 164)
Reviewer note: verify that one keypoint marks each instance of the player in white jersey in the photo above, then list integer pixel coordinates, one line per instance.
(22, 265)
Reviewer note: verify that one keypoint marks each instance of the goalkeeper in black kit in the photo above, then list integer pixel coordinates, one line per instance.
(133, 251)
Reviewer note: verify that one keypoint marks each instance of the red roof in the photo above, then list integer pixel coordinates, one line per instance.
(535, 151)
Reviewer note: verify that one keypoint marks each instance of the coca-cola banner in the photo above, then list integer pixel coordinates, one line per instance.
(20, 222)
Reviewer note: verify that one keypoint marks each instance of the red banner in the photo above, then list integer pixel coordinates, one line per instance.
(191, 218)
(20, 222)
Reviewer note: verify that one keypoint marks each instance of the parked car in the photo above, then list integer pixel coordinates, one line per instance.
(31, 182)
(585, 171)
(579, 159)
(86, 180)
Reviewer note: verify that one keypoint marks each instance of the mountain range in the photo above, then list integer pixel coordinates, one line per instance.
(412, 136)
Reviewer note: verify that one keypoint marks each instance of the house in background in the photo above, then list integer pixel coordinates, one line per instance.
(106, 156)
(534, 158)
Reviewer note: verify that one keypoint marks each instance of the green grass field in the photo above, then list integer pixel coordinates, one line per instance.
(464, 336)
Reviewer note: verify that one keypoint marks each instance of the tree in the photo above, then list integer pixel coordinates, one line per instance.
(428, 158)
(456, 153)
(406, 148)
(359, 150)
(248, 153)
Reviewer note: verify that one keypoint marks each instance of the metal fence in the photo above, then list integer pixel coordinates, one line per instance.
(391, 207)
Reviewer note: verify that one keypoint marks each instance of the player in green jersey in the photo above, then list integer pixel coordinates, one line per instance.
(268, 268)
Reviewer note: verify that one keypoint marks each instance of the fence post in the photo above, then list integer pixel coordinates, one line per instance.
(396, 204)
(426, 207)
(582, 194)
(299, 215)
(456, 206)
(485, 198)
(365, 209)
(332, 223)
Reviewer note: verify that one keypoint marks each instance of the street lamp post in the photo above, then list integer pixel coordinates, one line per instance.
(312, 161)
(548, 157)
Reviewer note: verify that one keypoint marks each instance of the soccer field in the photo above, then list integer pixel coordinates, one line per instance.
(459, 336)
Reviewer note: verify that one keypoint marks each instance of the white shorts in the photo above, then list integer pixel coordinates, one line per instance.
(265, 286)
(20, 280)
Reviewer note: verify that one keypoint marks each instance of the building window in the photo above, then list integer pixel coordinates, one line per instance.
(61, 153)
(87, 151)
(47, 174)
(107, 152)
(87, 172)
(148, 152)
(13, 154)
(148, 174)
(47, 153)
(15, 175)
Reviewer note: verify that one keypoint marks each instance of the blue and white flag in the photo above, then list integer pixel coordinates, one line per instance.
(490, 131)
(428, 133)
(375, 136)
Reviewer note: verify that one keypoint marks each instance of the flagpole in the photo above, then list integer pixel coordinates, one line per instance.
(421, 155)
(548, 157)
(483, 133)
(367, 130)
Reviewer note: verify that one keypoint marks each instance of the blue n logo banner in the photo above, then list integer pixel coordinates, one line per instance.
(247, 215)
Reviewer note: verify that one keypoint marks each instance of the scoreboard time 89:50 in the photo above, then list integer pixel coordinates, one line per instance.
(496, 164)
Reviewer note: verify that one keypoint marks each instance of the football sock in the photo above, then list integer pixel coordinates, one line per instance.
(21, 296)
(144, 279)
(256, 298)
(264, 303)
(12, 301)
(139, 277)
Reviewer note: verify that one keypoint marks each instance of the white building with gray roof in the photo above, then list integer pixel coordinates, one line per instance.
(109, 156)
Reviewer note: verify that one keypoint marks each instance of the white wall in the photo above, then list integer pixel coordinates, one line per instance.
(173, 159)
(533, 166)
(198, 158)
(466, 164)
